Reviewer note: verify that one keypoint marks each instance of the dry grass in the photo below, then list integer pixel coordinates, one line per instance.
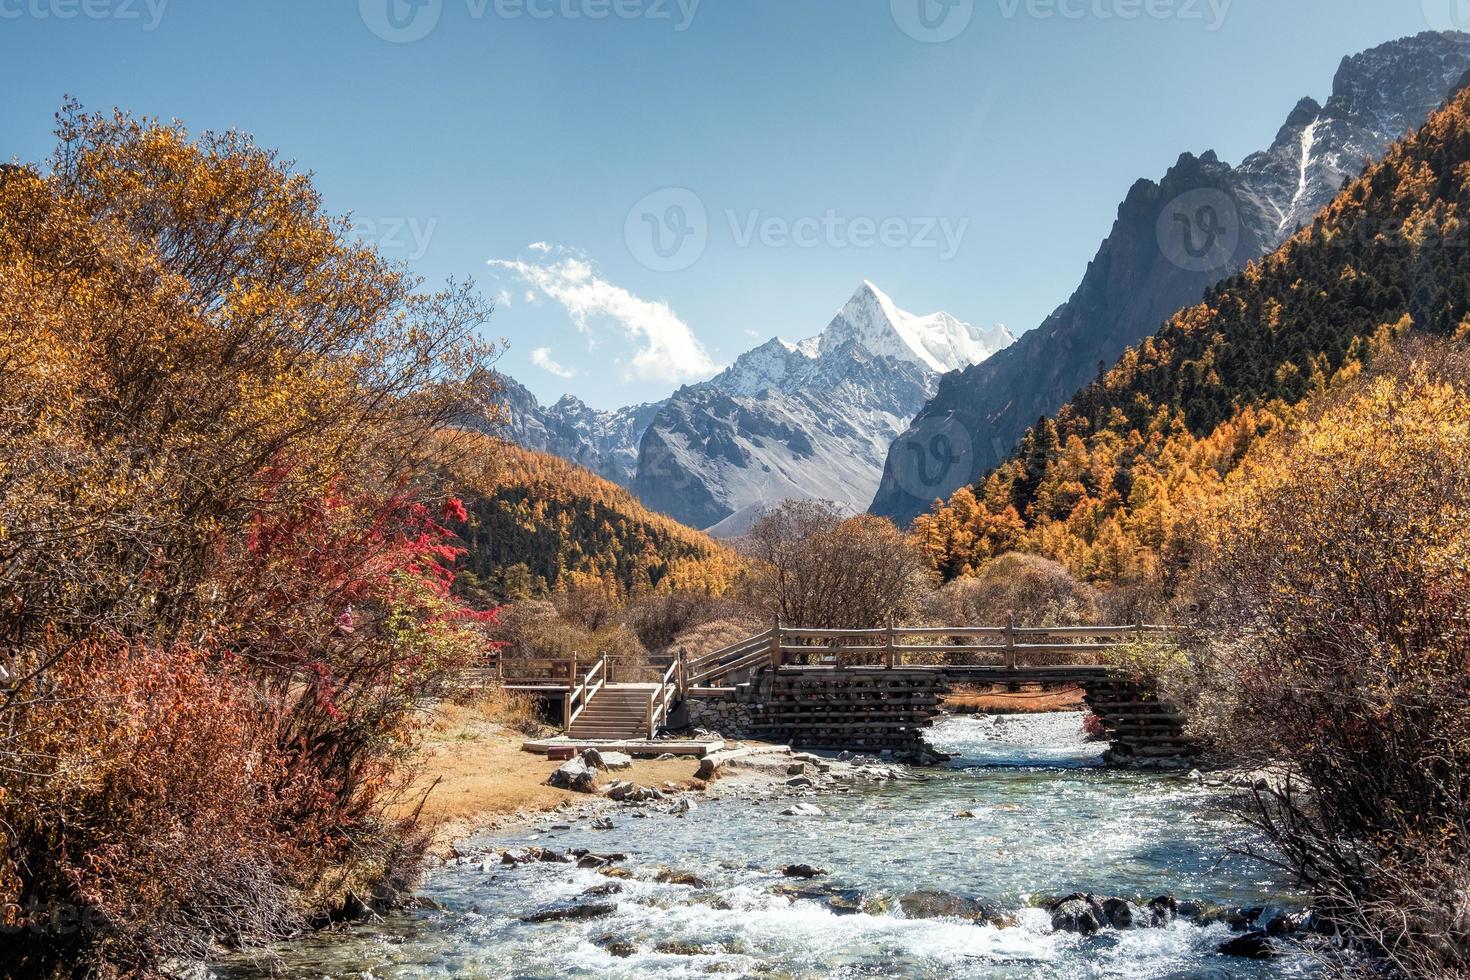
(477, 774)
(1031, 699)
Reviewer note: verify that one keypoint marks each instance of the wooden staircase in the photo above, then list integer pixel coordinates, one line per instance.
(617, 712)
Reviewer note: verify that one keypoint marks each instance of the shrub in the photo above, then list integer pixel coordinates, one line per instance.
(697, 641)
(217, 423)
(660, 619)
(1330, 637)
(1028, 589)
(136, 829)
(814, 568)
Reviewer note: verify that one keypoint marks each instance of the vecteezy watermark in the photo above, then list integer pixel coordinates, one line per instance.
(933, 459)
(832, 229)
(1211, 13)
(669, 230)
(148, 13)
(405, 21)
(399, 238)
(48, 918)
(1199, 231)
(1447, 15)
(932, 21)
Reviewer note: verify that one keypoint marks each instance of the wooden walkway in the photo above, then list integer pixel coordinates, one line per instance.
(830, 681)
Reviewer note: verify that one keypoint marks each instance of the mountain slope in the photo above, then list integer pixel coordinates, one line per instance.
(1100, 488)
(807, 420)
(1172, 240)
(604, 442)
(535, 521)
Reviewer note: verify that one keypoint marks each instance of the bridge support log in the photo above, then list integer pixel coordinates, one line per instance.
(859, 709)
(1142, 730)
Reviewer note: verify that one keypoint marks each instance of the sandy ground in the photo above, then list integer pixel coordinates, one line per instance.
(1031, 699)
(481, 778)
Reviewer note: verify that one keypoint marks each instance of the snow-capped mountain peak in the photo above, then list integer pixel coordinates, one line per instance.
(938, 342)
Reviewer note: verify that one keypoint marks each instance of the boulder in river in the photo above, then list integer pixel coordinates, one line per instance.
(943, 905)
(667, 877)
(803, 810)
(571, 911)
(1078, 913)
(803, 871)
(1121, 913)
(1251, 946)
(602, 891)
(616, 946)
(1162, 910)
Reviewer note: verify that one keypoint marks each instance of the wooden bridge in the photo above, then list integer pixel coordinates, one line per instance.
(868, 689)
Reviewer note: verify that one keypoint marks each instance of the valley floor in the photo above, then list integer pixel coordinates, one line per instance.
(481, 779)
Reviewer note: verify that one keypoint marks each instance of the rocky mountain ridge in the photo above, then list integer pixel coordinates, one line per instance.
(1172, 240)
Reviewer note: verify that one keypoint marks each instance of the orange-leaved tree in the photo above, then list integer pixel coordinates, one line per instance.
(216, 428)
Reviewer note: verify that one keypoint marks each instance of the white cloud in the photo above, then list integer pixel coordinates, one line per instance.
(503, 300)
(541, 357)
(541, 247)
(665, 349)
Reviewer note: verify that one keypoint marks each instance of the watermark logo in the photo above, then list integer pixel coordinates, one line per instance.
(1199, 231)
(148, 13)
(401, 21)
(1447, 15)
(833, 230)
(932, 21)
(668, 230)
(396, 238)
(406, 21)
(933, 459)
(1210, 13)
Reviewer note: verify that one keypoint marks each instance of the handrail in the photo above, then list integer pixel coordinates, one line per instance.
(1011, 643)
(758, 654)
(584, 692)
(658, 705)
(737, 657)
(696, 663)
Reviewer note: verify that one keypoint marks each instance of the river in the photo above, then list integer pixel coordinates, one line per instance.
(1048, 820)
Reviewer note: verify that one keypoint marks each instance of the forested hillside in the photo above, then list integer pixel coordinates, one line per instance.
(1103, 486)
(535, 522)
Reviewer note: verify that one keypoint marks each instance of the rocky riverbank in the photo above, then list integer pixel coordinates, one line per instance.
(874, 867)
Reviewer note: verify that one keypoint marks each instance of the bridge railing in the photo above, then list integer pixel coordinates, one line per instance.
(558, 672)
(581, 694)
(953, 646)
(728, 661)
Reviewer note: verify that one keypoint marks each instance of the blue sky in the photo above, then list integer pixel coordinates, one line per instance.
(782, 150)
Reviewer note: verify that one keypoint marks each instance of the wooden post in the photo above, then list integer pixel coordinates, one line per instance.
(1011, 641)
(572, 672)
(776, 643)
(888, 642)
(681, 676)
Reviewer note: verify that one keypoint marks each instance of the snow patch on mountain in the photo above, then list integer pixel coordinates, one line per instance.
(937, 341)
